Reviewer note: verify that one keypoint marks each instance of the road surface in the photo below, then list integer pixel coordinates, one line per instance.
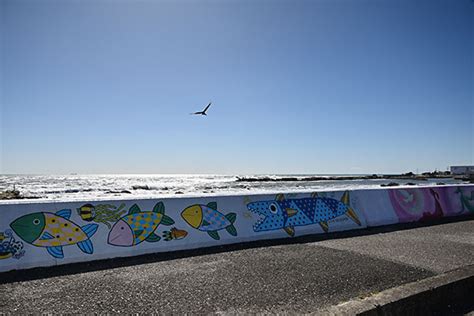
(297, 278)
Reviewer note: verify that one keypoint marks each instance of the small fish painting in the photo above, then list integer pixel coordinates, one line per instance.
(208, 219)
(174, 234)
(53, 231)
(101, 213)
(138, 226)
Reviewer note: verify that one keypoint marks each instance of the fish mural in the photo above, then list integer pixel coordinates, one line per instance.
(53, 231)
(9, 247)
(101, 213)
(138, 226)
(286, 214)
(207, 218)
(174, 234)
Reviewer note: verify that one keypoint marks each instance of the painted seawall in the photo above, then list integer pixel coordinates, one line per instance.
(48, 234)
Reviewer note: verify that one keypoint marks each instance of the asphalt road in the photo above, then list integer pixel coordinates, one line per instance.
(296, 278)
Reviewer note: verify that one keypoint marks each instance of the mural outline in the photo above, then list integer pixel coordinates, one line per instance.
(286, 214)
(53, 231)
(207, 218)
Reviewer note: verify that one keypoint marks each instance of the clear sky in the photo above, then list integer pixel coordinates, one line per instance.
(320, 86)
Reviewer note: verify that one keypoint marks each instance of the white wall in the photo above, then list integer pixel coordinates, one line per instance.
(370, 208)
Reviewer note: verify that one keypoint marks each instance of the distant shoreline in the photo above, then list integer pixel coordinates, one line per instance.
(340, 178)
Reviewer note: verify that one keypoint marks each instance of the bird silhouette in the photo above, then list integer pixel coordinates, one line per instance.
(203, 112)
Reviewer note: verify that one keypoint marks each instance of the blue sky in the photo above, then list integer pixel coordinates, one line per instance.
(297, 86)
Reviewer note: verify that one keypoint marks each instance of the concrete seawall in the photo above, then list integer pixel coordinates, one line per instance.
(49, 234)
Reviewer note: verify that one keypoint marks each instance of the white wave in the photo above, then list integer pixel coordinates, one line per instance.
(96, 187)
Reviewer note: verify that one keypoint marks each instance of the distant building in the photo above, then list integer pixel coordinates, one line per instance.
(462, 170)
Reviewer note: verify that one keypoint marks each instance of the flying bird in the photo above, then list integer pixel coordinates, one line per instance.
(203, 112)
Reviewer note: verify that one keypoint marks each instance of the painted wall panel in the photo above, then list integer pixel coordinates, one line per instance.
(48, 234)
(376, 207)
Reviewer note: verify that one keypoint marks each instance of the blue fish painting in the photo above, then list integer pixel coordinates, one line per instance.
(285, 214)
(208, 219)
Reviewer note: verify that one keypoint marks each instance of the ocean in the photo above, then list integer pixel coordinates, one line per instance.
(128, 186)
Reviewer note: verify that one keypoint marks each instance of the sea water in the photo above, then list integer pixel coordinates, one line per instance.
(128, 186)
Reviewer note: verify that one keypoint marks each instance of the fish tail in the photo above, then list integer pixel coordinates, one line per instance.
(231, 230)
(90, 229)
(345, 198)
(352, 215)
(324, 226)
(231, 217)
(166, 220)
(86, 246)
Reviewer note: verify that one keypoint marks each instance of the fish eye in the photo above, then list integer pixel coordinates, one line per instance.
(273, 208)
(36, 221)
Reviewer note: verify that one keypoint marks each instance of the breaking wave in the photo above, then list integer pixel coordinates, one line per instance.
(89, 187)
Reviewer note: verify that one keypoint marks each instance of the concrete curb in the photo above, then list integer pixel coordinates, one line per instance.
(439, 294)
